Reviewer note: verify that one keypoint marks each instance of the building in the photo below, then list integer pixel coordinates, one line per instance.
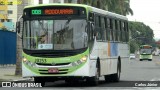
(8, 14)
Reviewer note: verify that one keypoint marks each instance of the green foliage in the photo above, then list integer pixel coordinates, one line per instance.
(133, 46)
(140, 34)
(117, 6)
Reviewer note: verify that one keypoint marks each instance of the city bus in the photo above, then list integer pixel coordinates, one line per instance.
(72, 42)
(145, 52)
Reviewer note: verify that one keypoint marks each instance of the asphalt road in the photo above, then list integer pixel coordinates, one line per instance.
(135, 75)
(133, 71)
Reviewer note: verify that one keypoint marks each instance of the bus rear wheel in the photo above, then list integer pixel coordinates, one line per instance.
(141, 60)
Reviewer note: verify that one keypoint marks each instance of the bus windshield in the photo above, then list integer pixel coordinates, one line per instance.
(146, 51)
(55, 34)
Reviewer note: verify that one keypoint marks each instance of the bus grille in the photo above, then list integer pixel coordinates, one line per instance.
(49, 64)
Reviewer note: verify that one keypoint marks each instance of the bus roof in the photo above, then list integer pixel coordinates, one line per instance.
(94, 9)
(108, 13)
(57, 4)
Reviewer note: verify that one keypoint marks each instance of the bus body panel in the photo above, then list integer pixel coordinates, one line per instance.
(145, 57)
(123, 49)
(108, 54)
(87, 70)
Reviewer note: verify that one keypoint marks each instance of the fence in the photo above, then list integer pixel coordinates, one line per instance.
(7, 47)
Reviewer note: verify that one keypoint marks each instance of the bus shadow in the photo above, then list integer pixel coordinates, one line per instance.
(102, 83)
(105, 84)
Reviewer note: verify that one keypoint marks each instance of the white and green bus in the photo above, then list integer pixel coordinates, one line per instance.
(73, 42)
(145, 52)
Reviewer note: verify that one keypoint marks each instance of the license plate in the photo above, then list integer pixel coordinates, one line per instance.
(53, 70)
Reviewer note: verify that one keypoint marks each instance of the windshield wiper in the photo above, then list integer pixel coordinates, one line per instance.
(68, 21)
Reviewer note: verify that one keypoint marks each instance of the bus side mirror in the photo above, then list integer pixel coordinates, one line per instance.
(18, 25)
(92, 26)
(93, 29)
(91, 16)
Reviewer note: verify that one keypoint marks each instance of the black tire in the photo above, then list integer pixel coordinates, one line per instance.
(141, 60)
(107, 78)
(116, 77)
(94, 80)
(71, 81)
(39, 80)
(149, 59)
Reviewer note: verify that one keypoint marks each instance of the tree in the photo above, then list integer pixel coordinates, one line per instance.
(121, 6)
(141, 34)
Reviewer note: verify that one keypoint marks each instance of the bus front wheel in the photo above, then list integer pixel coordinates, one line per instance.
(149, 59)
(95, 79)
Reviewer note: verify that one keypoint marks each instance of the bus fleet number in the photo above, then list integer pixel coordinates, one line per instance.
(40, 60)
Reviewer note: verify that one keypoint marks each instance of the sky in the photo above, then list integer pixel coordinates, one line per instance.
(148, 12)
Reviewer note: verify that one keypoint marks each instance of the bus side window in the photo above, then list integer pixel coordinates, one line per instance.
(116, 30)
(97, 21)
(120, 36)
(123, 31)
(111, 30)
(127, 33)
(108, 28)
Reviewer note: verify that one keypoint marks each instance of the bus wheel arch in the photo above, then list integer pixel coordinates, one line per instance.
(95, 79)
(116, 77)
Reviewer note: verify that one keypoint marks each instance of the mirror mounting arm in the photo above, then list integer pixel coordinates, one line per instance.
(18, 27)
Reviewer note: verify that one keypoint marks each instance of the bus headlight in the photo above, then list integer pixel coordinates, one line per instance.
(28, 62)
(82, 60)
(24, 60)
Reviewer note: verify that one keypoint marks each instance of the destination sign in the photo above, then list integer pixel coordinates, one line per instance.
(51, 11)
(147, 47)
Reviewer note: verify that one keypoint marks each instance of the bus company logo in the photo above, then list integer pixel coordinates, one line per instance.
(53, 63)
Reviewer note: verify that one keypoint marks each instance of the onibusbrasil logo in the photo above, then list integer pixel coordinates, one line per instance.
(16, 84)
